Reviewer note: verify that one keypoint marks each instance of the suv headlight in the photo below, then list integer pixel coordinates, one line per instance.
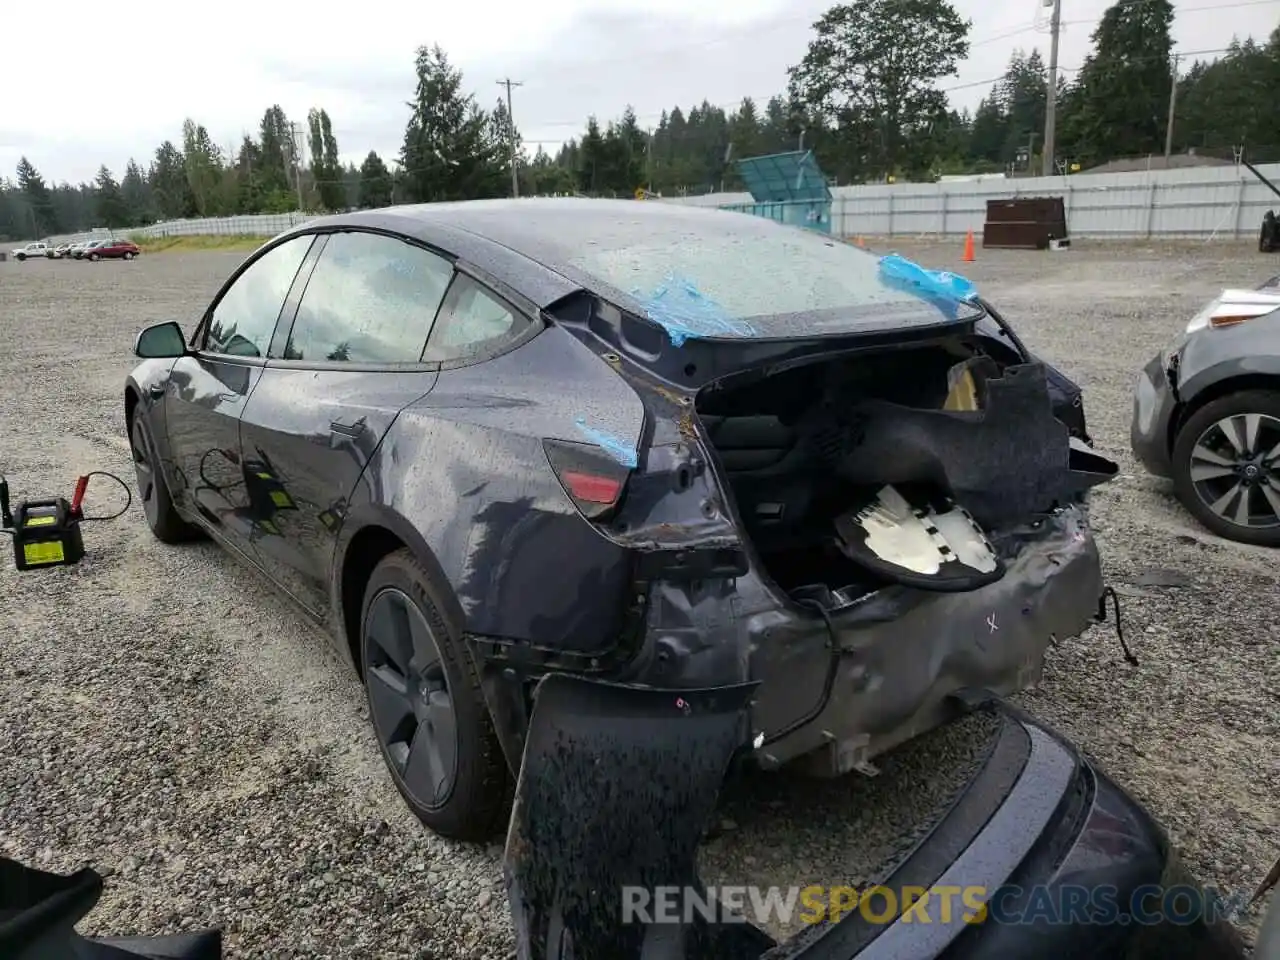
(1233, 307)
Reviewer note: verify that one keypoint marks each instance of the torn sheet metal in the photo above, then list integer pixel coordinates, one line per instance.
(918, 545)
(900, 650)
(947, 290)
(620, 450)
(680, 308)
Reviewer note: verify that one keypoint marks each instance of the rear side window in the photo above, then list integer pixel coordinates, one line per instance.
(245, 317)
(370, 299)
(471, 321)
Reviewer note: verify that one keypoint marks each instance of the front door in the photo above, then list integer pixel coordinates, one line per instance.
(334, 384)
(207, 393)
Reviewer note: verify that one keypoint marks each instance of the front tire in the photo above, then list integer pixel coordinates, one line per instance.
(429, 715)
(1226, 466)
(153, 492)
(93, 257)
(21, 257)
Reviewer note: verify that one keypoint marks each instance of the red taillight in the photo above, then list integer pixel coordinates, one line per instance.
(591, 488)
(594, 480)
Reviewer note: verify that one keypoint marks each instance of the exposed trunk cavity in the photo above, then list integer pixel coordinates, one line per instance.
(893, 466)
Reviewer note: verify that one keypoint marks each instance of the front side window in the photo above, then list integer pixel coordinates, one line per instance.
(245, 318)
(370, 299)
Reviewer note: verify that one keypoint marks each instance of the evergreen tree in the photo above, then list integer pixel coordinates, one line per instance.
(375, 183)
(39, 200)
(449, 152)
(1122, 105)
(111, 208)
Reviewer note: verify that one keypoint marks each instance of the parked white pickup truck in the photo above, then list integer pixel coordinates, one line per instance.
(31, 250)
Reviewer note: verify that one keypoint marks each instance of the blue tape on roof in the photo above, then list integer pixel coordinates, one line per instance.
(936, 285)
(680, 308)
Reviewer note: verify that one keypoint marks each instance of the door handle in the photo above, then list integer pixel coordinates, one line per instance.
(156, 391)
(347, 429)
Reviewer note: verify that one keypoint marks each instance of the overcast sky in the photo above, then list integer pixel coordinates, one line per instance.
(114, 85)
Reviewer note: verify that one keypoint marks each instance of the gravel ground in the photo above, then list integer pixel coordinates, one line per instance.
(171, 722)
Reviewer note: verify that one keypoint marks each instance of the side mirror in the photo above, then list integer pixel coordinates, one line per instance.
(161, 340)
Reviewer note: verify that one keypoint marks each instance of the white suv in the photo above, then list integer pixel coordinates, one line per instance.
(38, 249)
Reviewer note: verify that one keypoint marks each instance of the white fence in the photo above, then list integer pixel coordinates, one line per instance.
(1219, 202)
(1199, 202)
(250, 225)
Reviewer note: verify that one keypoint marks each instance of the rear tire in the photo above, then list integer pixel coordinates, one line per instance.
(153, 492)
(1201, 438)
(429, 715)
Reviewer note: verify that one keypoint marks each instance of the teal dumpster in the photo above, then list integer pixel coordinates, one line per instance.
(787, 188)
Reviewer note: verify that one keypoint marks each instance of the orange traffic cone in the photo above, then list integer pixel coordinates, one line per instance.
(968, 247)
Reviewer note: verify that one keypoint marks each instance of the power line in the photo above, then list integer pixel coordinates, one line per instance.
(649, 56)
(579, 65)
(951, 88)
(969, 85)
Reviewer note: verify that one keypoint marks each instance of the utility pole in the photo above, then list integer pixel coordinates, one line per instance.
(648, 159)
(1051, 95)
(295, 134)
(1173, 103)
(511, 133)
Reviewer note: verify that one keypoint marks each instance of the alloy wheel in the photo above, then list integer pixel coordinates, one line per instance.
(1235, 469)
(409, 698)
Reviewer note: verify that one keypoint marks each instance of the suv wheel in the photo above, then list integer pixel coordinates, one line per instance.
(429, 715)
(1226, 466)
(21, 257)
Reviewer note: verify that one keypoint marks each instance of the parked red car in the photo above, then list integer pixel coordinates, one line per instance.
(119, 249)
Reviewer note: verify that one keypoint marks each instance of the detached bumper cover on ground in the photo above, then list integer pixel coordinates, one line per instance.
(617, 783)
(39, 912)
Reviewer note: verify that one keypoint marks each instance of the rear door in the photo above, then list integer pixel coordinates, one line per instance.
(206, 392)
(338, 376)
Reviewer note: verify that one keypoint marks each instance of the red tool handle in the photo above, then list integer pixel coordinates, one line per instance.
(78, 497)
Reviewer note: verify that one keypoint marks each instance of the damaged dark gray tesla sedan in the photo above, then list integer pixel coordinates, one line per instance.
(641, 443)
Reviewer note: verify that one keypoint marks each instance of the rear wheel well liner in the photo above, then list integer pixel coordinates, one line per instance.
(1216, 391)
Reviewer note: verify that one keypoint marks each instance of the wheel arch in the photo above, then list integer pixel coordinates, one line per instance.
(371, 533)
(132, 397)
